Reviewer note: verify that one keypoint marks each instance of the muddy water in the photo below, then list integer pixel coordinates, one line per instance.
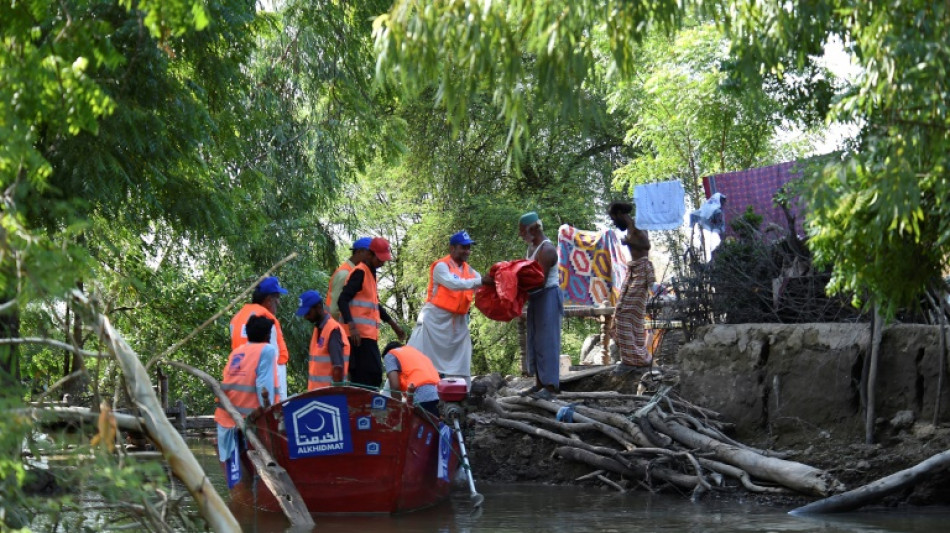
(517, 508)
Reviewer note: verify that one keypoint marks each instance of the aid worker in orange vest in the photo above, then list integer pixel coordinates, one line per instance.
(329, 347)
(407, 366)
(441, 330)
(360, 253)
(249, 382)
(361, 315)
(264, 303)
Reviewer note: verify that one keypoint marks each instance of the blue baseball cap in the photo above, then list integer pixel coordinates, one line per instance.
(461, 238)
(308, 300)
(271, 286)
(362, 243)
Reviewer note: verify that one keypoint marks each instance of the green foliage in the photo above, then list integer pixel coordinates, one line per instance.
(878, 214)
(518, 52)
(689, 117)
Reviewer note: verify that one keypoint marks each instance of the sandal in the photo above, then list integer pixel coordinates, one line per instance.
(531, 390)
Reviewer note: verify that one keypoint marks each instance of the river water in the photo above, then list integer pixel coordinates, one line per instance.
(534, 508)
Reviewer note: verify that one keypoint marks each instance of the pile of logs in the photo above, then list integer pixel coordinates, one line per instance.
(656, 441)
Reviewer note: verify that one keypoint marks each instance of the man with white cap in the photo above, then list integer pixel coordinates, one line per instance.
(361, 315)
(442, 328)
(329, 347)
(264, 302)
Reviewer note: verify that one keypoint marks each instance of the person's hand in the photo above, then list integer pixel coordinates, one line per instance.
(337, 374)
(488, 280)
(354, 338)
(400, 333)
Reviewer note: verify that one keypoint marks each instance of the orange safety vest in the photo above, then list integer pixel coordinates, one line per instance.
(345, 267)
(321, 367)
(415, 368)
(239, 334)
(453, 301)
(240, 382)
(364, 307)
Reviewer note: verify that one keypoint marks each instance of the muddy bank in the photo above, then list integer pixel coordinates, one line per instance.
(785, 387)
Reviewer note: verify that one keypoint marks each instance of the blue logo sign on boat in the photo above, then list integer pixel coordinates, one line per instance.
(318, 427)
(234, 468)
(372, 448)
(363, 423)
(445, 447)
(379, 402)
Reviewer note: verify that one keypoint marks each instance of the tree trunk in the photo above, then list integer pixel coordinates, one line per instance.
(797, 476)
(169, 441)
(877, 490)
(872, 375)
(9, 355)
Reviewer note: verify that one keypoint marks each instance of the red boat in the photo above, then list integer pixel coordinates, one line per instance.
(352, 450)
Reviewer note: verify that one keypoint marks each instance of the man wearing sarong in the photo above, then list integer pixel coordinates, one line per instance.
(628, 321)
(441, 331)
(544, 313)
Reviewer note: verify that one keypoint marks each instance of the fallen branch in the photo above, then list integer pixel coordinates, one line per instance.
(81, 414)
(593, 474)
(797, 476)
(638, 470)
(877, 490)
(613, 484)
(608, 430)
(166, 437)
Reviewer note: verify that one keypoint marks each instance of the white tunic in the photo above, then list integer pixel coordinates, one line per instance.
(443, 335)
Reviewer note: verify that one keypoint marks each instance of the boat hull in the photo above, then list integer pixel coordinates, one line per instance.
(350, 450)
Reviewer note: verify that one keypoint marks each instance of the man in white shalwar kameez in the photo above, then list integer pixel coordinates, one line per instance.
(441, 331)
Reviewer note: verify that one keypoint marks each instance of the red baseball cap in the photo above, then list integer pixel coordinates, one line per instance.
(380, 247)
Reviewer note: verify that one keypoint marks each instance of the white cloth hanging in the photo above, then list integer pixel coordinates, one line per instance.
(660, 206)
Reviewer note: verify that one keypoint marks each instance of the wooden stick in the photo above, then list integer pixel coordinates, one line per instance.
(593, 474)
(239, 298)
(183, 463)
(273, 475)
(606, 429)
(613, 484)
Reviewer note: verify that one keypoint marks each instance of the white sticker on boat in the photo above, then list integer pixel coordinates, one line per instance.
(318, 427)
(363, 423)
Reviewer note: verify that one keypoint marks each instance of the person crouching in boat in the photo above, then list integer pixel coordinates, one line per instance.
(250, 381)
(407, 366)
(329, 347)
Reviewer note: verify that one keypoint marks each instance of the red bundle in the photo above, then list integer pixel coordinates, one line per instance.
(504, 300)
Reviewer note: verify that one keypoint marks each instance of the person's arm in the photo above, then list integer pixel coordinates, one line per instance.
(350, 290)
(385, 317)
(265, 374)
(335, 347)
(442, 276)
(547, 256)
(277, 339)
(393, 368)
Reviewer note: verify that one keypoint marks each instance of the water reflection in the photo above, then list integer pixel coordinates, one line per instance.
(518, 508)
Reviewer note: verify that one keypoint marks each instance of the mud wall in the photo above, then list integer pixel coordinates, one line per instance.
(791, 382)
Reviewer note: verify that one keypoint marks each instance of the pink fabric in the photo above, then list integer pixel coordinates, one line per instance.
(755, 187)
(505, 299)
